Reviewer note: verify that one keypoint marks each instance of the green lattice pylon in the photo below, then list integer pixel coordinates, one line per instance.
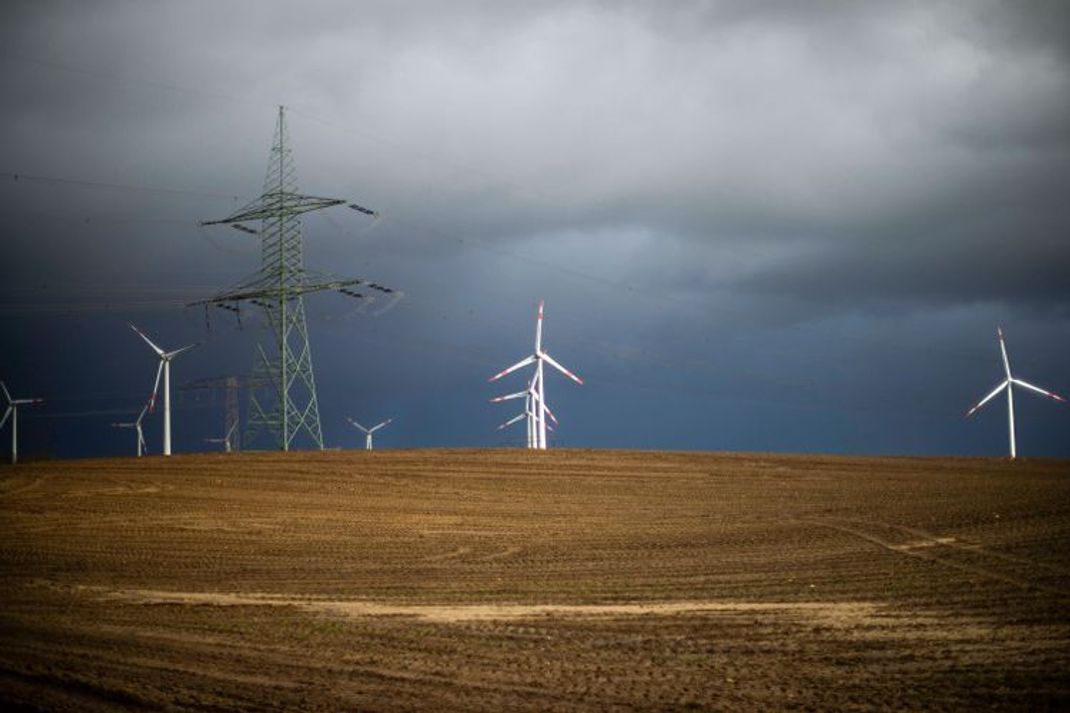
(289, 408)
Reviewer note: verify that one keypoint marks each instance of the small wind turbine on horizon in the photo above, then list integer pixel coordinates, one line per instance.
(368, 431)
(536, 391)
(13, 412)
(137, 426)
(225, 440)
(1008, 384)
(165, 367)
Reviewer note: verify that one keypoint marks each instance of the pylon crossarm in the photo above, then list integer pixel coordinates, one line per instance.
(292, 291)
(275, 205)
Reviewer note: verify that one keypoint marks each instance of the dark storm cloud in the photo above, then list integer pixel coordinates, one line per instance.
(676, 168)
(825, 129)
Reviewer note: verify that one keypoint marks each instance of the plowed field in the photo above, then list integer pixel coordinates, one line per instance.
(510, 580)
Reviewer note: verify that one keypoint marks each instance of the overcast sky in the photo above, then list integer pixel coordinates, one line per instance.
(772, 226)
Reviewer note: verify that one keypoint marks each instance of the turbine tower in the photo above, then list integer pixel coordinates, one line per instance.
(368, 431)
(13, 412)
(137, 426)
(1009, 383)
(165, 367)
(290, 408)
(537, 386)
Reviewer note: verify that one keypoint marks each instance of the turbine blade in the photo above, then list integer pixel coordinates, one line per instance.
(6, 414)
(378, 426)
(550, 360)
(356, 424)
(142, 414)
(517, 395)
(1039, 390)
(159, 352)
(1003, 351)
(155, 388)
(172, 355)
(538, 329)
(985, 400)
(511, 421)
(522, 363)
(231, 431)
(551, 415)
(7, 394)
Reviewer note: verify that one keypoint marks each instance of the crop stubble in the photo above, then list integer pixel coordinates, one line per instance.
(564, 580)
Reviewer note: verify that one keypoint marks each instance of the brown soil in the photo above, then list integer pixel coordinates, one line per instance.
(511, 580)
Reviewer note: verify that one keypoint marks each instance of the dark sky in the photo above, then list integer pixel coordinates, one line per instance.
(771, 226)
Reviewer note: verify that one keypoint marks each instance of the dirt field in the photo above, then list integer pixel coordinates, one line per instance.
(511, 580)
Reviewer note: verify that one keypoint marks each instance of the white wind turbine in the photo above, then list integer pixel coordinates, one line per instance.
(531, 396)
(527, 413)
(368, 431)
(165, 367)
(137, 426)
(225, 440)
(13, 412)
(538, 383)
(1008, 384)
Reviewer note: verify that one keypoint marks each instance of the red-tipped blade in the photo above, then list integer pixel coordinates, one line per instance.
(517, 395)
(155, 387)
(1039, 390)
(563, 370)
(982, 402)
(522, 363)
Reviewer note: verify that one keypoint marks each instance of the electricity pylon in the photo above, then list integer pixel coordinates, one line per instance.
(290, 408)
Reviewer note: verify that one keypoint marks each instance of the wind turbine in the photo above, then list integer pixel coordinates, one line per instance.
(165, 367)
(1008, 384)
(538, 382)
(13, 412)
(225, 440)
(368, 431)
(531, 396)
(137, 425)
